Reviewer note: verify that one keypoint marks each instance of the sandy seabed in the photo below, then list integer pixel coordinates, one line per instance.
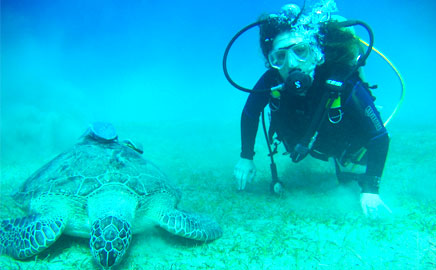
(315, 224)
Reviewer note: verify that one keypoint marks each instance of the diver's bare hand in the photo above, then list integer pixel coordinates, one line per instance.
(372, 204)
(244, 172)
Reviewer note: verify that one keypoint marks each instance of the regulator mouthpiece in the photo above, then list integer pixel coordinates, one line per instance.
(298, 82)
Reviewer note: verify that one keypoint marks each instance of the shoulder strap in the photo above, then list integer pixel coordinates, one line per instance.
(333, 90)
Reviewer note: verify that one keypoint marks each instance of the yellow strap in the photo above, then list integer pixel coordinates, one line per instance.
(403, 92)
(403, 87)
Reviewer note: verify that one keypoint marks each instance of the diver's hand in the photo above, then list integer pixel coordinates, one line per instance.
(244, 172)
(371, 205)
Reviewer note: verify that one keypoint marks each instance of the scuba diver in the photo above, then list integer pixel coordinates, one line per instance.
(319, 104)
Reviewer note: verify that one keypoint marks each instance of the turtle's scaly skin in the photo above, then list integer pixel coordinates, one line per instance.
(107, 189)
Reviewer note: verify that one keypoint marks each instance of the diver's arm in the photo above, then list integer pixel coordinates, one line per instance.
(375, 134)
(377, 150)
(245, 170)
(255, 104)
(250, 123)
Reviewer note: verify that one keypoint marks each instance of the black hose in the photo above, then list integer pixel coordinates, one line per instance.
(266, 137)
(362, 60)
(273, 167)
(226, 52)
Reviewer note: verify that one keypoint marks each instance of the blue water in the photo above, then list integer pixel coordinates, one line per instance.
(158, 59)
(65, 64)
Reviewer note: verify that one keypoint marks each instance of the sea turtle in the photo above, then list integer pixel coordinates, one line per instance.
(103, 189)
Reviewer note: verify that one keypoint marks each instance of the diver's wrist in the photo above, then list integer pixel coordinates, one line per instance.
(247, 155)
(369, 183)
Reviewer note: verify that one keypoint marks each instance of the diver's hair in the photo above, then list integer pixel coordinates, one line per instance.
(268, 30)
(339, 45)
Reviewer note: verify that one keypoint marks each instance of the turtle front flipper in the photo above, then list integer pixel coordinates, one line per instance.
(24, 237)
(110, 238)
(190, 225)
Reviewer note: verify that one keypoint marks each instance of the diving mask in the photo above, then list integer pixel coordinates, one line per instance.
(294, 54)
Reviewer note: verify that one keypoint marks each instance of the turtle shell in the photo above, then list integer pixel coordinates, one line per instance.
(91, 165)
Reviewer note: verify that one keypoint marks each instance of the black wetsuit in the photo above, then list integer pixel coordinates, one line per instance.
(360, 126)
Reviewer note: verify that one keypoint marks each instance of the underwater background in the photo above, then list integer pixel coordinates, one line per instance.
(154, 70)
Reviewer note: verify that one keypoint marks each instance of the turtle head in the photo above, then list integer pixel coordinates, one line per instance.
(110, 238)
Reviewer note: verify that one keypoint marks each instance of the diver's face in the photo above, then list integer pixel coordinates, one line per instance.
(291, 52)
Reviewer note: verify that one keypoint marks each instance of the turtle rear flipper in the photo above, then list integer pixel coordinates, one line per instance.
(24, 237)
(190, 225)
